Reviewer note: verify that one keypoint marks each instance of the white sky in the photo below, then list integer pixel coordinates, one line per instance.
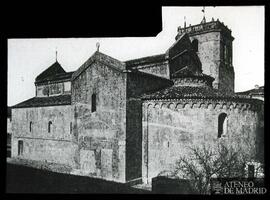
(29, 57)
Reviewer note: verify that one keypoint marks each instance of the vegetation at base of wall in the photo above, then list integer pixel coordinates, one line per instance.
(43, 165)
(212, 161)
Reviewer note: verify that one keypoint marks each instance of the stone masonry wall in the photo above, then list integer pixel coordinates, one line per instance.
(137, 84)
(101, 134)
(226, 79)
(134, 139)
(209, 54)
(57, 146)
(169, 127)
(181, 55)
(53, 89)
(160, 69)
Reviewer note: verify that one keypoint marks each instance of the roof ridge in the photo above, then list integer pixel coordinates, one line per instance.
(148, 74)
(64, 99)
(55, 68)
(146, 59)
(113, 63)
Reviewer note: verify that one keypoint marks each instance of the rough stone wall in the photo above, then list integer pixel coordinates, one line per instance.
(57, 146)
(260, 141)
(181, 54)
(170, 127)
(137, 84)
(53, 89)
(209, 54)
(101, 134)
(186, 59)
(134, 139)
(226, 79)
(160, 69)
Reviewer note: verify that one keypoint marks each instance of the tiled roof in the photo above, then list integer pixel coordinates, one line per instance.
(186, 72)
(45, 101)
(184, 92)
(55, 68)
(57, 77)
(146, 60)
(140, 73)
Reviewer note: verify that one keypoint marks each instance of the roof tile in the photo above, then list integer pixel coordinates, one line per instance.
(146, 60)
(45, 101)
(184, 92)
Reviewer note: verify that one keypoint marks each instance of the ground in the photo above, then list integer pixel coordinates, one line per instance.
(22, 179)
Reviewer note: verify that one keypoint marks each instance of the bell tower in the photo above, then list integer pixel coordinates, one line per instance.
(212, 42)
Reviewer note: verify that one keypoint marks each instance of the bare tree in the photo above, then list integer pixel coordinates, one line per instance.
(208, 161)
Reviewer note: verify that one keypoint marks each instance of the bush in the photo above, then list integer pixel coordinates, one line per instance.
(212, 161)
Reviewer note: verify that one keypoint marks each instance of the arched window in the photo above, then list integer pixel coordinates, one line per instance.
(49, 126)
(30, 126)
(94, 103)
(222, 125)
(195, 45)
(20, 147)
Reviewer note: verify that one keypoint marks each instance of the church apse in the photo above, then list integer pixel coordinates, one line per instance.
(171, 127)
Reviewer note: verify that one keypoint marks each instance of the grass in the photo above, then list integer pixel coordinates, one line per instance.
(55, 167)
(23, 179)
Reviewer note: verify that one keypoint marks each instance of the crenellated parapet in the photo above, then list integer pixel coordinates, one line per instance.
(205, 27)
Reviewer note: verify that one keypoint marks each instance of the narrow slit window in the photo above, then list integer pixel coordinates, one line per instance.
(70, 127)
(30, 126)
(94, 102)
(49, 126)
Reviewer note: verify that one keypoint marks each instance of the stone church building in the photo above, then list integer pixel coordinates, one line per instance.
(128, 121)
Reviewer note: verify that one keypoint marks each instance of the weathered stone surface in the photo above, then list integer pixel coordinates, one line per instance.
(167, 132)
(53, 89)
(134, 140)
(106, 163)
(111, 131)
(88, 161)
(105, 127)
(211, 54)
(181, 54)
(159, 69)
(38, 144)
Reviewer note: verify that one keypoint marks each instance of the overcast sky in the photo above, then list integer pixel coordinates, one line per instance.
(29, 57)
